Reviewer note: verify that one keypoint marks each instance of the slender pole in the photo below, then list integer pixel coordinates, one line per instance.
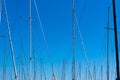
(53, 77)
(101, 72)
(22, 60)
(40, 69)
(44, 73)
(73, 43)
(52, 70)
(108, 44)
(4, 65)
(116, 38)
(58, 70)
(86, 74)
(34, 66)
(94, 71)
(30, 24)
(80, 71)
(63, 70)
(10, 39)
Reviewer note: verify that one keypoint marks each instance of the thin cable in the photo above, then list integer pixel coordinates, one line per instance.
(30, 24)
(85, 54)
(10, 39)
(41, 27)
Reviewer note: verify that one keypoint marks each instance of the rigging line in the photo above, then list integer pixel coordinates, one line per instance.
(41, 26)
(10, 39)
(85, 54)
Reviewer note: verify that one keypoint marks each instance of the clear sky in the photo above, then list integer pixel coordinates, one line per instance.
(56, 18)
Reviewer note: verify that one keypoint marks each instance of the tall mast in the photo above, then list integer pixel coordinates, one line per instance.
(40, 69)
(58, 70)
(94, 71)
(63, 70)
(86, 74)
(30, 24)
(22, 60)
(116, 39)
(34, 66)
(44, 73)
(73, 42)
(79, 71)
(101, 72)
(11, 45)
(4, 65)
(108, 43)
(53, 76)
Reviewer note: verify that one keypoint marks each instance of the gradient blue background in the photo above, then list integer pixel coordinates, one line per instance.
(56, 17)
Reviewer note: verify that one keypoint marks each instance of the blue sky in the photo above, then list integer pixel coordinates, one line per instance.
(56, 18)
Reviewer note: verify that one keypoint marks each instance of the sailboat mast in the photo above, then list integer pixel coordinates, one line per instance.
(34, 66)
(80, 71)
(4, 65)
(53, 76)
(40, 69)
(86, 74)
(10, 40)
(94, 71)
(30, 24)
(116, 39)
(73, 43)
(63, 70)
(101, 72)
(108, 44)
(22, 60)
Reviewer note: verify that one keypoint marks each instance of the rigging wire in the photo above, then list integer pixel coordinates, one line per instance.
(10, 39)
(85, 53)
(41, 27)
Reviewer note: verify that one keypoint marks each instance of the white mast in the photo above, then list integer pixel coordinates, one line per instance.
(73, 42)
(30, 24)
(10, 39)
